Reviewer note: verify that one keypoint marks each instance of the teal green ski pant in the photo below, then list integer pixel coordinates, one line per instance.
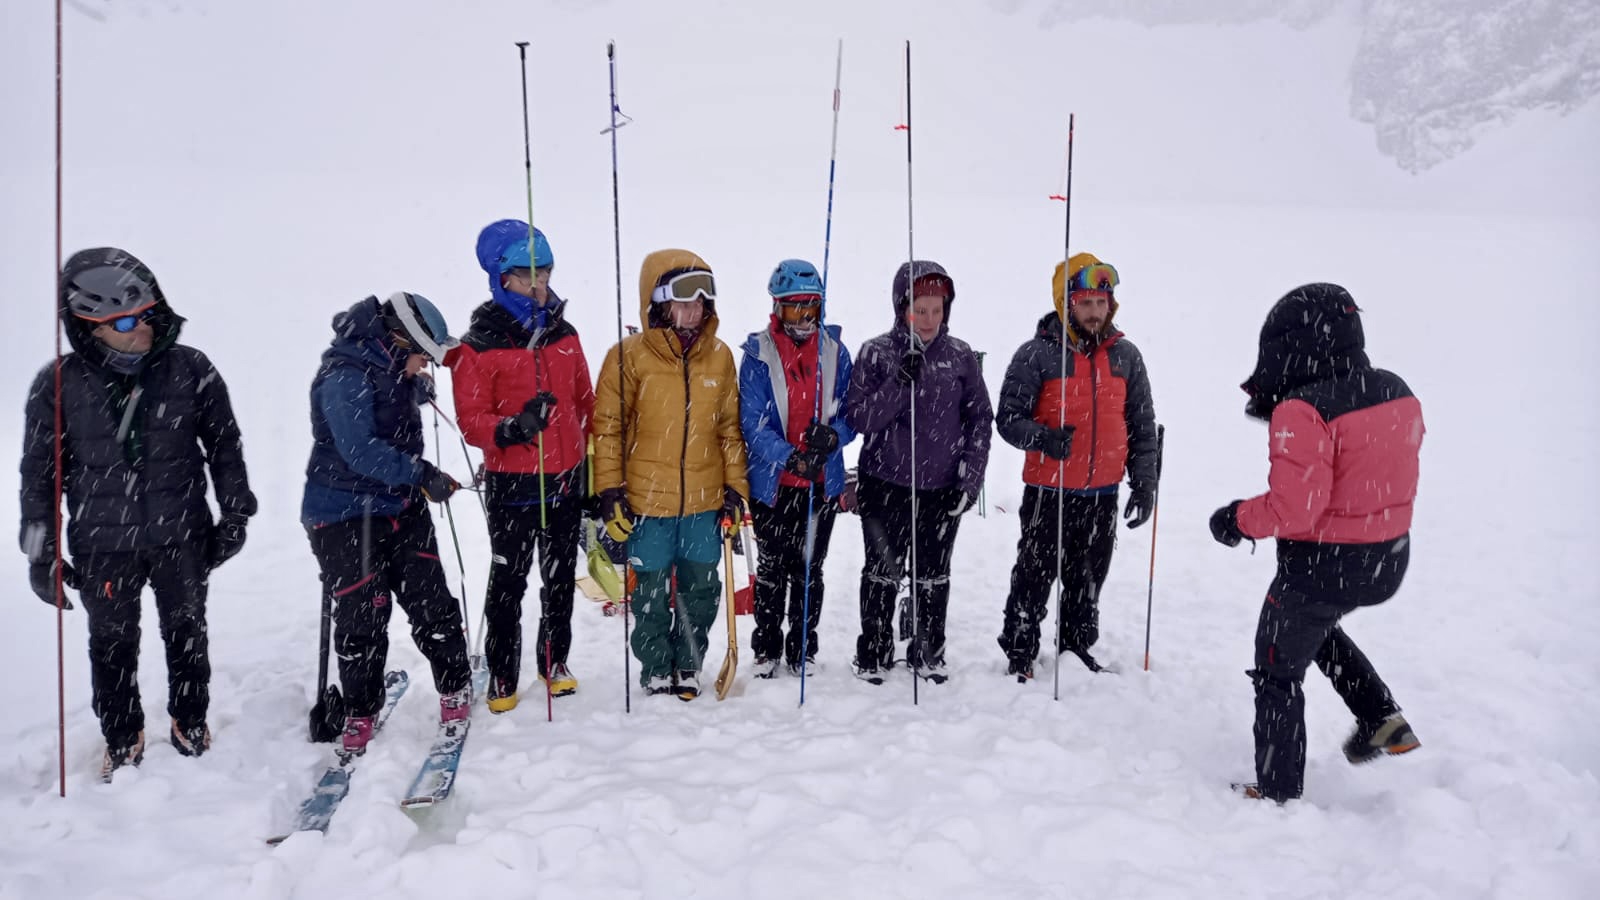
(670, 621)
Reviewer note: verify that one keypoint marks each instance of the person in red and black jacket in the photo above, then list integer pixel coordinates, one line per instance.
(523, 395)
(1084, 427)
(1343, 441)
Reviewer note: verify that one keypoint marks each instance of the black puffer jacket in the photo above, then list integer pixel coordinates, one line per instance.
(135, 447)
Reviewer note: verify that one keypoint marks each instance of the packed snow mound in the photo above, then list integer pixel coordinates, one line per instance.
(1432, 77)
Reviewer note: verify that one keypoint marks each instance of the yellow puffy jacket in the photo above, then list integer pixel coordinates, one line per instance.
(679, 412)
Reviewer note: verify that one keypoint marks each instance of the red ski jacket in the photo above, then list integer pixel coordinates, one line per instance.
(495, 374)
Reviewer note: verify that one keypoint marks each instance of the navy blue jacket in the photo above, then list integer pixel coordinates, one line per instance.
(366, 429)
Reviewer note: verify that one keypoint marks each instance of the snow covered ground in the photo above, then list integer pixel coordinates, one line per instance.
(274, 168)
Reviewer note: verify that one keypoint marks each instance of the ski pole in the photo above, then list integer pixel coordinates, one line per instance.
(450, 517)
(475, 657)
(527, 167)
(912, 346)
(816, 416)
(56, 577)
(1155, 521)
(983, 486)
(1061, 411)
(617, 121)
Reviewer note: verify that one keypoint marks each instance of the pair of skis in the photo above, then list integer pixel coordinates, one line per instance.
(433, 783)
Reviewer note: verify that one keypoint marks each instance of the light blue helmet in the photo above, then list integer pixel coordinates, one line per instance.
(516, 256)
(415, 316)
(794, 276)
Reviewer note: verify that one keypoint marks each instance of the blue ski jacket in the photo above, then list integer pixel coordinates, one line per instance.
(366, 429)
(764, 418)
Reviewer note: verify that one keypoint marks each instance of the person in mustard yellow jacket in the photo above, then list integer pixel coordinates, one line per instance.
(670, 463)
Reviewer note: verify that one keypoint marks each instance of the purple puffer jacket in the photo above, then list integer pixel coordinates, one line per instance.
(953, 412)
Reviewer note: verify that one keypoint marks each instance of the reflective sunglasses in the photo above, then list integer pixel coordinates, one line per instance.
(1098, 277)
(125, 324)
(799, 309)
(686, 286)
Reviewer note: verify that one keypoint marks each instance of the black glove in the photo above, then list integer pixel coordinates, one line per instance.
(806, 464)
(1140, 505)
(1056, 443)
(511, 433)
(525, 426)
(225, 541)
(436, 485)
(39, 545)
(1225, 525)
(535, 415)
(41, 578)
(821, 439)
(732, 507)
(616, 514)
(910, 367)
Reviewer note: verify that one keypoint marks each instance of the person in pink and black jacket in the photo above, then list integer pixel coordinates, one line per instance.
(1343, 443)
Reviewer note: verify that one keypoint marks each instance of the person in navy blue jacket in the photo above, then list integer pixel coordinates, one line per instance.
(795, 463)
(364, 510)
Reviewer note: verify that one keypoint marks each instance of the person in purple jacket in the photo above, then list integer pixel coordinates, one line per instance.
(916, 373)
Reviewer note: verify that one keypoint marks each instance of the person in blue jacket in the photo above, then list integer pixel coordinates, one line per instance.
(364, 506)
(792, 416)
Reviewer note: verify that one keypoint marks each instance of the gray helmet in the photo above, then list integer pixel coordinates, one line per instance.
(106, 283)
(420, 322)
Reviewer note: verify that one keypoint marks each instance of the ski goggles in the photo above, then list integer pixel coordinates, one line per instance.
(125, 324)
(685, 287)
(1097, 277)
(799, 309)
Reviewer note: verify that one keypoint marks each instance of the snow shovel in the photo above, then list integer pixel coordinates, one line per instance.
(601, 568)
(327, 714)
(730, 663)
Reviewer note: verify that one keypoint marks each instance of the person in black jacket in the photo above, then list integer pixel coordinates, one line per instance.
(143, 420)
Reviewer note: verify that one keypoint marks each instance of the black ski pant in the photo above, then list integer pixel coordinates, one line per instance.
(367, 562)
(1088, 537)
(781, 534)
(515, 535)
(887, 532)
(1316, 585)
(112, 586)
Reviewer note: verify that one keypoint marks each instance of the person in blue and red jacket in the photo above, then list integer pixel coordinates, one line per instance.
(796, 464)
(523, 395)
(1343, 440)
(1084, 427)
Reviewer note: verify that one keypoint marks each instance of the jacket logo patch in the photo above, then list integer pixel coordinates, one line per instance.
(708, 382)
(1283, 437)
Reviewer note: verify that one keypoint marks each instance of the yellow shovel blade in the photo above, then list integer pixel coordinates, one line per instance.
(604, 573)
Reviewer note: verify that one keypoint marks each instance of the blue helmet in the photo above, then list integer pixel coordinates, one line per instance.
(415, 317)
(794, 276)
(516, 256)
